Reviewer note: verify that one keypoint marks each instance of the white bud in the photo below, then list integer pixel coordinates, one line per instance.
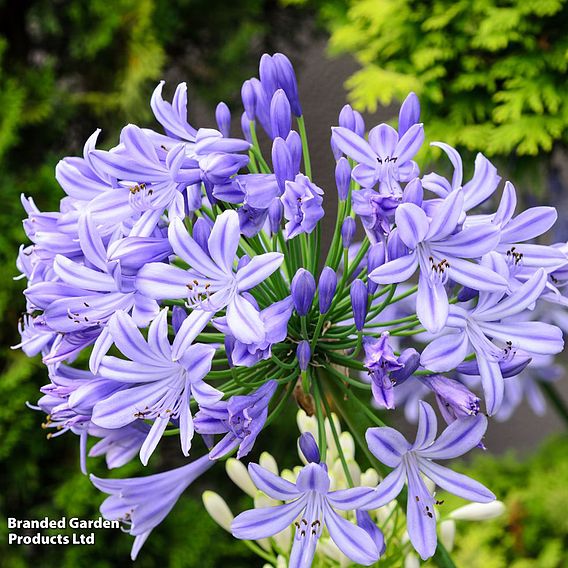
(283, 539)
(261, 500)
(289, 475)
(370, 478)
(218, 510)
(268, 462)
(478, 511)
(239, 475)
(448, 533)
(281, 562)
(347, 445)
(306, 423)
(411, 561)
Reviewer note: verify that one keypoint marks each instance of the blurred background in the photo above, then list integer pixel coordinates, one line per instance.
(491, 77)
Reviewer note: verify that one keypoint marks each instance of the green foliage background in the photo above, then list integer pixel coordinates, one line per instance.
(490, 74)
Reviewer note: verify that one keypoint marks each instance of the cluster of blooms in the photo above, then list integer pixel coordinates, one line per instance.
(181, 290)
(277, 549)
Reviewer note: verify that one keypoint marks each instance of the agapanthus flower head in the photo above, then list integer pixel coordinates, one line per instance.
(188, 286)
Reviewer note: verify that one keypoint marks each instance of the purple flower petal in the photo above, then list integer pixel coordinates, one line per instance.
(244, 321)
(388, 489)
(352, 540)
(492, 382)
(395, 271)
(383, 140)
(483, 183)
(273, 485)
(412, 224)
(446, 218)
(445, 353)
(191, 327)
(258, 269)
(476, 276)
(163, 281)
(456, 483)
(353, 498)
(410, 143)
(432, 306)
(354, 146)
(472, 242)
(458, 438)
(224, 240)
(427, 426)
(387, 445)
(267, 521)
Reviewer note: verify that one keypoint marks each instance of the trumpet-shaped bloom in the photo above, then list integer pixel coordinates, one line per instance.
(410, 460)
(441, 255)
(488, 320)
(211, 284)
(311, 507)
(385, 159)
(162, 379)
(142, 503)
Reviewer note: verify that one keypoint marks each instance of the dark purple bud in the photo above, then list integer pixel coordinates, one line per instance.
(327, 286)
(303, 289)
(249, 100)
(352, 120)
(268, 75)
(375, 258)
(366, 523)
(309, 448)
(294, 143)
(348, 231)
(409, 113)
(229, 346)
(510, 367)
(466, 294)
(342, 177)
(178, 317)
(359, 300)
(280, 115)
(287, 80)
(304, 354)
(275, 212)
(223, 118)
(347, 118)
(282, 163)
(454, 399)
(359, 124)
(201, 232)
(245, 127)
(243, 261)
(410, 358)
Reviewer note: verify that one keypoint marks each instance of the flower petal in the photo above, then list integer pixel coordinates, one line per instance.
(456, 483)
(446, 352)
(387, 445)
(266, 521)
(354, 146)
(432, 306)
(273, 485)
(458, 438)
(258, 269)
(388, 489)
(492, 382)
(352, 540)
(244, 321)
(427, 426)
(163, 281)
(446, 217)
(383, 139)
(412, 224)
(224, 240)
(395, 271)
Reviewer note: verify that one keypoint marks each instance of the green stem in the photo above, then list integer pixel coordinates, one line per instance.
(305, 149)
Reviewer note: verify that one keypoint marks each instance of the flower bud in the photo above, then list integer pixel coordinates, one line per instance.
(280, 115)
(303, 289)
(249, 100)
(294, 143)
(448, 533)
(304, 354)
(282, 163)
(454, 399)
(287, 80)
(309, 448)
(223, 118)
(348, 231)
(275, 212)
(359, 298)
(238, 474)
(218, 510)
(229, 346)
(366, 523)
(245, 127)
(409, 113)
(201, 232)
(218, 167)
(342, 177)
(268, 74)
(178, 317)
(327, 286)
(478, 511)
(352, 120)
(375, 258)
(268, 462)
